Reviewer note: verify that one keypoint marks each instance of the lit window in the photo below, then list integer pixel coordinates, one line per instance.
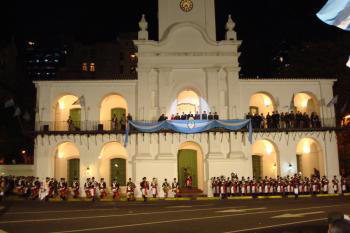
(92, 67)
(84, 67)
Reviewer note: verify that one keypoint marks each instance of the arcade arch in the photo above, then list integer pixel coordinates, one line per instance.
(113, 163)
(114, 109)
(65, 107)
(261, 103)
(306, 102)
(67, 162)
(309, 157)
(265, 159)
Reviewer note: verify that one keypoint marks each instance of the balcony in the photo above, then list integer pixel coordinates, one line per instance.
(106, 127)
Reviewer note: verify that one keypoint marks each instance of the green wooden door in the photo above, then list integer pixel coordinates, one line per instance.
(75, 114)
(73, 170)
(187, 159)
(257, 166)
(118, 171)
(119, 112)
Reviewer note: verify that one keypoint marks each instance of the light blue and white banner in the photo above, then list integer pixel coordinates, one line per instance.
(191, 126)
(337, 13)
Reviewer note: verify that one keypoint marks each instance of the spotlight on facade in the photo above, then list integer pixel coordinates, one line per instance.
(267, 102)
(274, 166)
(100, 157)
(116, 165)
(23, 152)
(61, 105)
(88, 171)
(290, 166)
(304, 103)
(306, 148)
(268, 149)
(60, 155)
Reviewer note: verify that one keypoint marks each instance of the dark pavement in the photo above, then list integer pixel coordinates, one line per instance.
(307, 215)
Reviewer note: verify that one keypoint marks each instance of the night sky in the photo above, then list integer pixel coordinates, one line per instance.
(264, 26)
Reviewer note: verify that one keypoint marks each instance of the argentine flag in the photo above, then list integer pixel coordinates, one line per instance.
(337, 13)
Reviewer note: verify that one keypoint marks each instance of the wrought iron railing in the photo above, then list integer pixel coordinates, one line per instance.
(109, 126)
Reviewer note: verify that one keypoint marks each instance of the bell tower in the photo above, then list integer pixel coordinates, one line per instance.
(200, 12)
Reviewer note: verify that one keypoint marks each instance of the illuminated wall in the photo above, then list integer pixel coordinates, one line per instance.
(110, 102)
(268, 152)
(64, 152)
(110, 151)
(311, 156)
(264, 102)
(304, 102)
(62, 109)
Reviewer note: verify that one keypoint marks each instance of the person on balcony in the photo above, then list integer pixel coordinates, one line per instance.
(123, 123)
(189, 116)
(114, 122)
(216, 116)
(287, 120)
(292, 119)
(269, 120)
(210, 116)
(177, 117)
(183, 116)
(70, 124)
(306, 120)
(298, 119)
(204, 116)
(197, 116)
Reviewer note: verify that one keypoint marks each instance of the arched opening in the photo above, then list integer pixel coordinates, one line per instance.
(67, 107)
(265, 159)
(261, 103)
(190, 157)
(306, 102)
(309, 157)
(188, 101)
(113, 163)
(67, 162)
(114, 110)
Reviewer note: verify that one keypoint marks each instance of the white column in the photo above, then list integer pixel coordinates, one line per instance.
(212, 75)
(234, 94)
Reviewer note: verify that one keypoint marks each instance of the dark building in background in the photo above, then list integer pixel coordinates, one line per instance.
(101, 60)
(43, 63)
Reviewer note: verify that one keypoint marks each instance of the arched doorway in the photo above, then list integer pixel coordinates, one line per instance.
(309, 157)
(261, 103)
(306, 102)
(190, 157)
(67, 162)
(188, 102)
(66, 107)
(113, 163)
(114, 109)
(265, 159)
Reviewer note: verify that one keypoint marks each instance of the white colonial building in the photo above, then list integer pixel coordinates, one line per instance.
(187, 69)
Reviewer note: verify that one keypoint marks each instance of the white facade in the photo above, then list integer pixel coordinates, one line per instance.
(186, 57)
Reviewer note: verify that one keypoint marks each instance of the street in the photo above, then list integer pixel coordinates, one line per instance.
(226, 216)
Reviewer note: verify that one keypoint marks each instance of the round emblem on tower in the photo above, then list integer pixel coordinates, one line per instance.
(186, 5)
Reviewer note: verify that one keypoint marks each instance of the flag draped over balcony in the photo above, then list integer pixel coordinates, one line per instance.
(191, 126)
(336, 13)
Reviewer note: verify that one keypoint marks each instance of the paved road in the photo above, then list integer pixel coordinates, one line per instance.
(303, 215)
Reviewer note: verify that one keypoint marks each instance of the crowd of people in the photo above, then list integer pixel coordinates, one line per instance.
(196, 116)
(30, 187)
(277, 120)
(233, 186)
(33, 188)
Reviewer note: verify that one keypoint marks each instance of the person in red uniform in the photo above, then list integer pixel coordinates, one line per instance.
(335, 184)
(130, 190)
(75, 188)
(344, 185)
(115, 189)
(62, 187)
(144, 186)
(102, 186)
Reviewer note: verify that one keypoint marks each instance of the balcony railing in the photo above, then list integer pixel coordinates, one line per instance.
(109, 126)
